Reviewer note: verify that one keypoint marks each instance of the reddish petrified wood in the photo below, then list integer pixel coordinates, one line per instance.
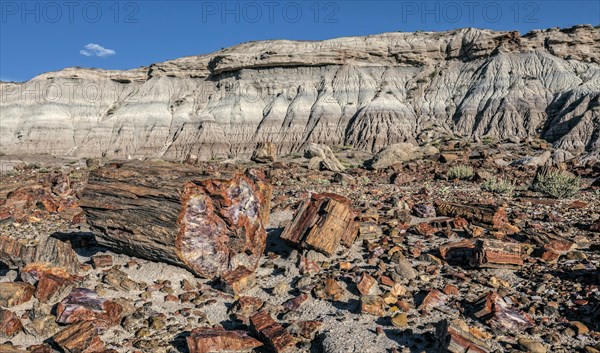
(216, 339)
(296, 302)
(102, 260)
(10, 324)
(85, 305)
(238, 281)
(499, 314)
(51, 282)
(458, 252)
(366, 283)
(17, 253)
(456, 338)
(372, 304)
(478, 214)
(322, 223)
(15, 293)
(497, 253)
(435, 298)
(82, 337)
(177, 214)
(247, 306)
(275, 335)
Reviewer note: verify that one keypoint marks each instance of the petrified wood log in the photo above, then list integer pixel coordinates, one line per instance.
(209, 339)
(478, 214)
(497, 253)
(322, 223)
(176, 214)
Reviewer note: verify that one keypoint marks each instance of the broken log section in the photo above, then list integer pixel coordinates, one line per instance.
(175, 213)
(478, 214)
(322, 223)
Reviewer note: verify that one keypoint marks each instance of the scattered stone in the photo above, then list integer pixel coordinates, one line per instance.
(400, 320)
(296, 302)
(102, 260)
(265, 152)
(532, 346)
(215, 339)
(10, 324)
(372, 304)
(15, 293)
(325, 157)
(305, 330)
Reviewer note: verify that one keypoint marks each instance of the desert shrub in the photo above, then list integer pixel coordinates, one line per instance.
(557, 184)
(460, 171)
(498, 186)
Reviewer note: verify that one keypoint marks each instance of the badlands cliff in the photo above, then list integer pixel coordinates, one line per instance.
(367, 92)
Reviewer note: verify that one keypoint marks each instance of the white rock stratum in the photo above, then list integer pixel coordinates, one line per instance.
(367, 92)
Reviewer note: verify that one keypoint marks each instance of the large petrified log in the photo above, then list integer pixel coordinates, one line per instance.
(322, 223)
(175, 213)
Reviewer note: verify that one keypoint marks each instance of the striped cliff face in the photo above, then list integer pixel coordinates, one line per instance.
(366, 92)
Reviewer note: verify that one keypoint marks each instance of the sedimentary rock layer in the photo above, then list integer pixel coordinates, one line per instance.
(368, 92)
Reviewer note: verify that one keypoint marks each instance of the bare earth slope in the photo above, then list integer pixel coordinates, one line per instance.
(367, 92)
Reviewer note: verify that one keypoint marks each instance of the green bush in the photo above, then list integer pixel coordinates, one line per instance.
(557, 184)
(498, 186)
(460, 171)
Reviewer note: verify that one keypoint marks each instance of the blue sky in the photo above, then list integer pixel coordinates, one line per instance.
(40, 36)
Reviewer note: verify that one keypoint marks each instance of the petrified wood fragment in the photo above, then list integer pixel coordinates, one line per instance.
(176, 214)
(82, 337)
(85, 305)
(499, 314)
(497, 253)
(215, 339)
(275, 335)
(10, 324)
(15, 293)
(52, 283)
(477, 214)
(322, 223)
(372, 304)
(457, 337)
(17, 253)
(458, 252)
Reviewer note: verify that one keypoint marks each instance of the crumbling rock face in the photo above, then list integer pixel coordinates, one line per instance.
(367, 92)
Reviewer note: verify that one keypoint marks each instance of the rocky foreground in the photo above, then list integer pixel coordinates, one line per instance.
(364, 92)
(449, 247)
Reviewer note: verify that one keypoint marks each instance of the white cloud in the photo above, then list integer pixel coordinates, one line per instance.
(94, 49)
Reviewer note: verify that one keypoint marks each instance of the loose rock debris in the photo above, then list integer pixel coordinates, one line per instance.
(397, 259)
